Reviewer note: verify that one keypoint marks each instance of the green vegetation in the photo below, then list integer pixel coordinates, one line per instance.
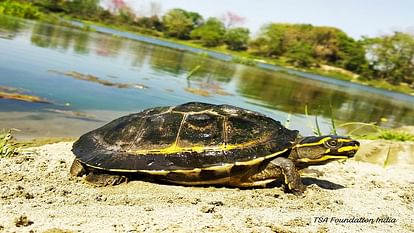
(211, 33)
(385, 61)
(244, 61)
(390, 134)
(375, 132)
(8, 147)
(391, 58)
(19, 9)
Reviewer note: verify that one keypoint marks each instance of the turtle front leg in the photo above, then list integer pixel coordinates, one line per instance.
(291, 175)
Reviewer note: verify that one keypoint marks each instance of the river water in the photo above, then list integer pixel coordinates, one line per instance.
(90, 78)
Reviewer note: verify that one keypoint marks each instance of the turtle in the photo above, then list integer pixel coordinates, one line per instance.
(203, 144)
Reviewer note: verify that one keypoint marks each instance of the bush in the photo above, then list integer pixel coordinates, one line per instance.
(20, 9)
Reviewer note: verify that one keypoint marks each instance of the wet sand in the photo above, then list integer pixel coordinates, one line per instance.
(37, 194)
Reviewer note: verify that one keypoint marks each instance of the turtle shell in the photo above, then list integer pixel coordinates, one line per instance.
(186, 137)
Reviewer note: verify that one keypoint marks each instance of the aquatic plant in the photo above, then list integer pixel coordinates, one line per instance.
(94, 79)
(7, 146)
(192, 71)
(315, 128)
(14, 93)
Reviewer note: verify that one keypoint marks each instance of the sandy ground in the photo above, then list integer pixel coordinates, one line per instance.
(37, 194)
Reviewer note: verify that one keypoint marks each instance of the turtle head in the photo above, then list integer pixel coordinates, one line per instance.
(323, 149)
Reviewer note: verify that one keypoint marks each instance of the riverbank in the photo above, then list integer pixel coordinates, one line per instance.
(38, 194)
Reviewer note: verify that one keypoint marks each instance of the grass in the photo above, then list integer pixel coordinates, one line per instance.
(390, 134)
(376, 133)
(8, 147)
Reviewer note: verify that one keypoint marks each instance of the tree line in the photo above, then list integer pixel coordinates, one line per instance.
(389, 57)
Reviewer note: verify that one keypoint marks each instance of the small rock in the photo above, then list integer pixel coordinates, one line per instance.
(18, 177)
(28, 196)
(66, 192)
(208, 209)
(22, 221)
(101, 198)
(216, 203)
(148, 208)
(62, 163)
(196, 201)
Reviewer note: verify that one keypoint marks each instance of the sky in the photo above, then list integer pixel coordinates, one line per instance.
(355, 17)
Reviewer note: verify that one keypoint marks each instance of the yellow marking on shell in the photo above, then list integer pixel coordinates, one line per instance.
(155, 172)
(260, 159)
(224, 180)
(262, 182)
(220, 168)
(236, 182)
(348, 148)
(320, 142)
(174, 148)
(326, 157)
(195, 170)
(151, 172)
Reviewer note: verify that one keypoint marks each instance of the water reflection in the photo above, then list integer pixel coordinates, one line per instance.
(9, 27)
(291, 94)
(55, 37)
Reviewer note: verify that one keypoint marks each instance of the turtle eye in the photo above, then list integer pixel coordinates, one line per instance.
(333, 144)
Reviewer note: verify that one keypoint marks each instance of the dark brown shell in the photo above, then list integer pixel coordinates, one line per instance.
(206, 135)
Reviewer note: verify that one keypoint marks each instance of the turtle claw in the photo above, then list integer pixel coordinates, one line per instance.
(102, 179)
(299, 191)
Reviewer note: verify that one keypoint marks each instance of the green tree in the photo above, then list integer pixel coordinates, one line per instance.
(300, 54)
(196, 18)
(391, 57)
(352, 54)
(306, 45)
(84, 8)
(178, 23)
(19, 9)
(52, 5)
(236, 38)
(269, 42)
(211, 33)
(152, 22)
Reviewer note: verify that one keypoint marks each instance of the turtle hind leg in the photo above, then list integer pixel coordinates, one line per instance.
(77, 168)
(104, 179)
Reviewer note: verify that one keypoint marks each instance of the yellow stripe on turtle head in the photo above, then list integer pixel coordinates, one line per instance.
(323, 158)
(320, 142)
(348, 148)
